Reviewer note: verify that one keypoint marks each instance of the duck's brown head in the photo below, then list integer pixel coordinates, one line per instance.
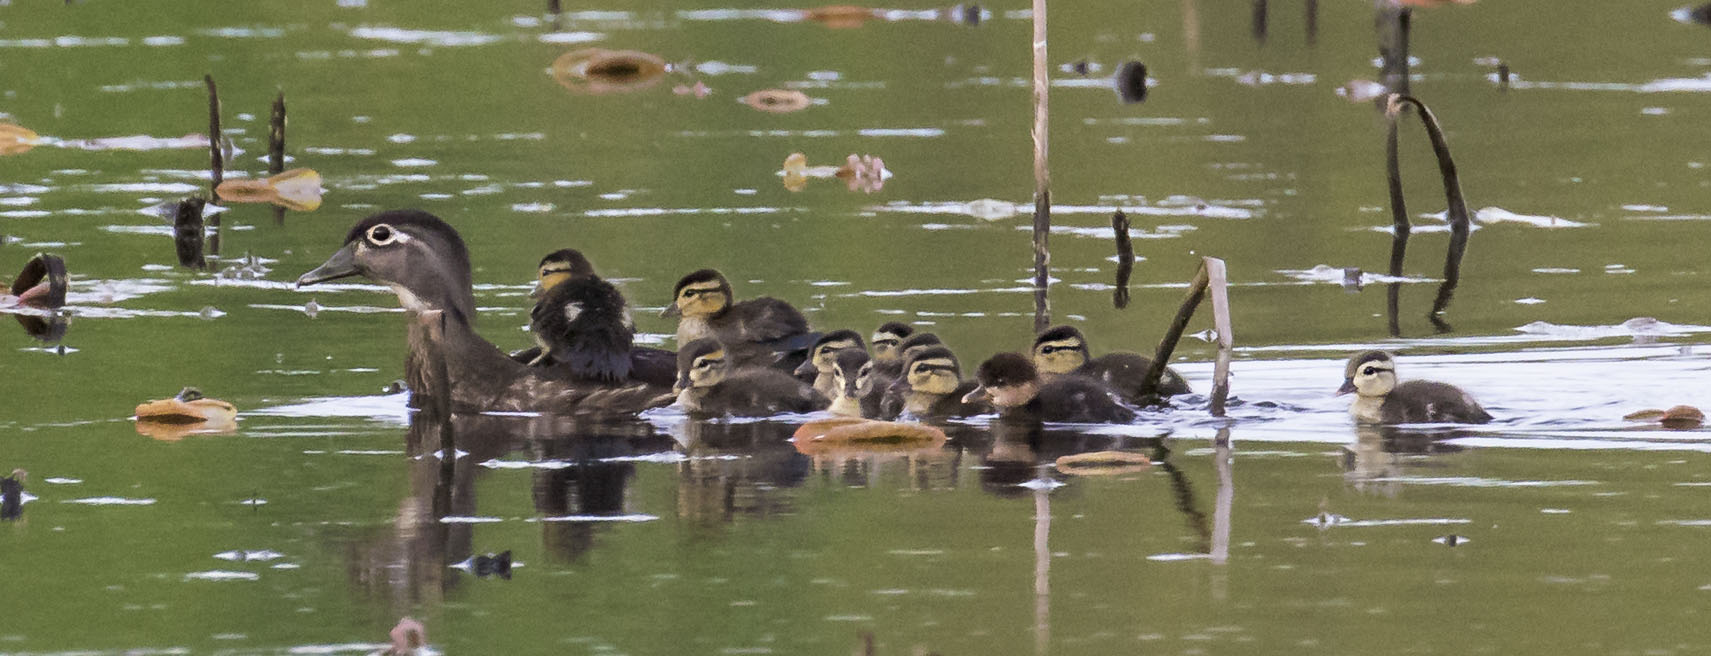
(420, 256)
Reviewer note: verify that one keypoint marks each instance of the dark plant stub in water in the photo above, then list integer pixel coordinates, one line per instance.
(1131, 82)
(187, 235)
(493, 565)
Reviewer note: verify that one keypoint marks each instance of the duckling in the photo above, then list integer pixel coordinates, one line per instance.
(913, 343)
(579, 312)
(848, 368)
(1381, 400)
(932, 386)
(820, 356)
(1011, 384)
(707, 384)
(1063, 350)
(580, 323)
(425, 263)
(887, 339)
(704, 302)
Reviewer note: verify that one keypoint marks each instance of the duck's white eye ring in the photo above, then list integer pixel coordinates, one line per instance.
(386, 235)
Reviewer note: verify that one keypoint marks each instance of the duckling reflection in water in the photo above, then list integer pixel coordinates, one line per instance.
(425, 263)
(708, 384)
(762, 331)
(1381, 400)
(1062, 350)
(932, 386)
(820, 356)
(1011, 384)
(582, 322)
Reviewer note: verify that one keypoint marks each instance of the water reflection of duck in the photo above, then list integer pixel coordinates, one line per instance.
(582, 322)
(709, 384)
(1381, 400)
(819, 363)
(754, 330)
(1063, 350)
(932, 386)
(1011, 384)
(425, 262)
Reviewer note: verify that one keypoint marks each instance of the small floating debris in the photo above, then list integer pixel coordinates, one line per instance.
(1104, 463)
(1700, 15)
(600, 71)
(864, 172)
(1452, 540)
(1360, 91)
(298, 190)
(189, 412)
(1131, 82)
(16, 139)
(245, 556)
(492, 565)
(1326, 520)
(1678, 417)
(990, 209)
(699, 90)
(12, 495)
(840, 17)
(42, 283)
(866, 435)
(408, 636)
(778, 101)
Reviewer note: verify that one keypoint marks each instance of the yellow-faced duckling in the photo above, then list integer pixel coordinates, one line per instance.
(583, 323)
(1381, 400)
(708, 384)
(425, 263)
(819, 361)
(1063, 350)
(1011, 384)
(932, 386)
(848, 368)
(888, 339)
(706, 307)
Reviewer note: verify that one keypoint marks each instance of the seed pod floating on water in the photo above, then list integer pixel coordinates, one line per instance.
(298, 190)
(600, 71)
(17, 139)
(1103, 463)
(1131, 82)
(778, 101)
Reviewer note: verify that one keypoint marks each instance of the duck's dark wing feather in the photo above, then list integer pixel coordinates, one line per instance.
(653, 366)
(1125, 372)
(1081, 399)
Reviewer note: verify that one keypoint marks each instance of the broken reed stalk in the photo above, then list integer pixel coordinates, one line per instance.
(1210, 278)
(1259, 21)
(216, 163)
(1219, 288)
(1393, 26)
(1312, 22)
(1042, 176)
(1455, 204)
(1224, 502)
(276, 147)
(1125, 259)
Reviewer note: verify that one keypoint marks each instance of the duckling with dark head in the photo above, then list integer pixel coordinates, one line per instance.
(849, 367)
(888, 338)
(932, 386)
(1062, 350)
(582, 322)
(1011, 384)
(706, 307)
(709, 384)
(821, 355)
(425, 263)
(1379, 399)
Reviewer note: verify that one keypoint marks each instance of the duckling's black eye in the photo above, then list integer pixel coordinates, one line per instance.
(382, 235)
(1370, 371)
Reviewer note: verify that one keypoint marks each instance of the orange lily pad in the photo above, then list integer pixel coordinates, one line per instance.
(1104, 463)
(857, 434)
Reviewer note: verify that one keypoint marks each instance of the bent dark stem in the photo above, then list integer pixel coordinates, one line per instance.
(1455, 204)
(276, 147)
(1400, 227)
(1167, 344)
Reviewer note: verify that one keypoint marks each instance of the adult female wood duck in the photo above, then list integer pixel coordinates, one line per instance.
(1062, 350)
(819, 363)
(426, 264)
(1011, 384)
(1381, 400)
(752, 331)
(583, 322)
(709, 384)
(932, 386)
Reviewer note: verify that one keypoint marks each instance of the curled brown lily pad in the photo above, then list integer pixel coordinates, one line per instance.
(778, 101)
(600, 71)
(17, 139)
(188, 409)
(1681, 416)
(298, 190)
(1104, 463)
(866, 435)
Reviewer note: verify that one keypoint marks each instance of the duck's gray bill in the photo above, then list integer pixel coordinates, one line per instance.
(341, 265)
